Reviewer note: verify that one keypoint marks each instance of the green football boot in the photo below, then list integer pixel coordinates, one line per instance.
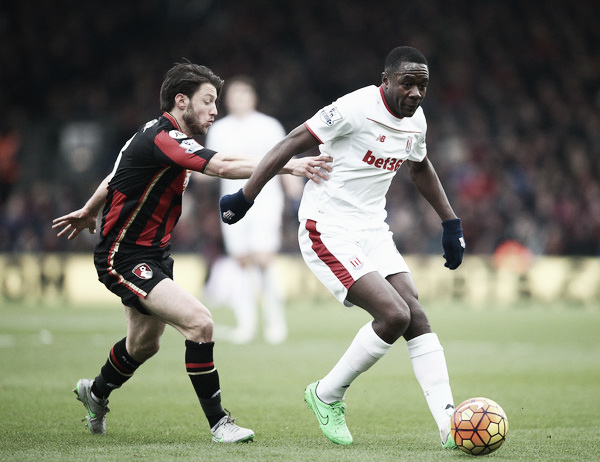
(331, 417)
(449, 444)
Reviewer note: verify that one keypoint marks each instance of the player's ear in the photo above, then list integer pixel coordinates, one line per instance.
(385, 80)
(181, 101)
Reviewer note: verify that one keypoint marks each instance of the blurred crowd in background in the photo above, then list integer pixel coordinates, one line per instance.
(513, 106)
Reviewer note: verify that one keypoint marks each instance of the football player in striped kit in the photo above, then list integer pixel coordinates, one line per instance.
(141, 200)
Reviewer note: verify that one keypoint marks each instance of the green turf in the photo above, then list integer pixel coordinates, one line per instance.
(542, 364)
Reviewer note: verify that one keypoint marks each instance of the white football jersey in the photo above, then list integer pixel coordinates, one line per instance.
(368, 144)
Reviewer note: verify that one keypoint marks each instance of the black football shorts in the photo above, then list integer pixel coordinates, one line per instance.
(132, 275)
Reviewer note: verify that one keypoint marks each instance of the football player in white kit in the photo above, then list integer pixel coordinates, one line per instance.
(254, 243)
(346, 242)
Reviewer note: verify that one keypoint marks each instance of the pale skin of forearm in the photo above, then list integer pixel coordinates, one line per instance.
(85, 217)
(238, 166)
(428, 184)
(96, 202)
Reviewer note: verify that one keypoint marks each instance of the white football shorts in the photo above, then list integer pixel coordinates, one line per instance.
(339, 257)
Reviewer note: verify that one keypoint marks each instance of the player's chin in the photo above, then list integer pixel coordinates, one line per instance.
(199, 130)
(409, 111)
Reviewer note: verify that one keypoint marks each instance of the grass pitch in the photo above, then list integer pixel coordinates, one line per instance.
(542, 364)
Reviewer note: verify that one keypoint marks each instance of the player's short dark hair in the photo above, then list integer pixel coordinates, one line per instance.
(186, 78)
(400, 55)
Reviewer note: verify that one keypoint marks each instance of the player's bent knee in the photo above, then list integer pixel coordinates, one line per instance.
(398, 320)
(200, 326)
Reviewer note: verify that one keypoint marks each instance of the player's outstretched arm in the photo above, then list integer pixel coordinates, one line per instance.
(85, 217)
(299, 140)
(277, 160)
(240, 166)
(427, 182)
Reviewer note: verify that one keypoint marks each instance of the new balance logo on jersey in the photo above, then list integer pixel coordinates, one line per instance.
(389, 163)
(380, 138)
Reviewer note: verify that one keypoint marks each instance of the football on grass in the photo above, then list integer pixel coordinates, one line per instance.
(479, 426)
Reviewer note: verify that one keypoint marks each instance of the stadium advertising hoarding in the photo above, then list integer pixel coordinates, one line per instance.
(480, 281)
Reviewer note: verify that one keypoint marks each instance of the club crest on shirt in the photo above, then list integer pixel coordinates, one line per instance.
(142, 271)
(355, 262)
(330, 115)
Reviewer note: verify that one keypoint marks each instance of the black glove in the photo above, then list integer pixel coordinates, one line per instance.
(453, 243)
(234, 207)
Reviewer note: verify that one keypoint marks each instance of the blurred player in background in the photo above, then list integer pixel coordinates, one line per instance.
(142, 199)
(346, 242)
(254, 243)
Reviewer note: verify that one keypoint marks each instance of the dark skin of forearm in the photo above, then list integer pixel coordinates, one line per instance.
(298, 141)
(428, 184)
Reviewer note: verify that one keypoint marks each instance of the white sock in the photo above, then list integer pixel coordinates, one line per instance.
(364, 351)
(429, 363)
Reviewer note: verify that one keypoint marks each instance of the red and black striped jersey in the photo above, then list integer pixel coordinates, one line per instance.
(145, 193)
